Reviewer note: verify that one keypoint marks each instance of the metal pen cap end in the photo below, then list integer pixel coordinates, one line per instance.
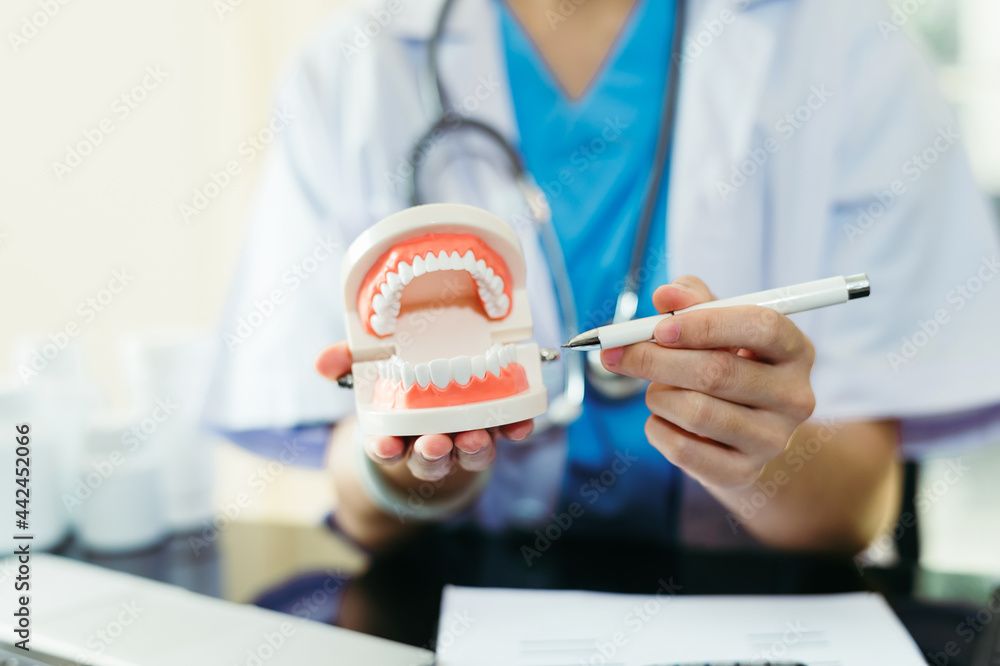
(858, 286)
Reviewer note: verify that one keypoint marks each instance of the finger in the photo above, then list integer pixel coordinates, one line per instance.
(768, 334)
(707, 462)
(430, 457)
(383, 449)
(683, 292)
(334, 361)
(716, 373)
(758, 433)
(474, 450)
(517, 431)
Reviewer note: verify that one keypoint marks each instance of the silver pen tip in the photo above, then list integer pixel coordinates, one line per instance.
(584, 342)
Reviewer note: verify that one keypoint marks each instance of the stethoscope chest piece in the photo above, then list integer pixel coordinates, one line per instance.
(609, 384)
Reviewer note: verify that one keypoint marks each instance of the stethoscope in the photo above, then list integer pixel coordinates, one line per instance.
(580, 369)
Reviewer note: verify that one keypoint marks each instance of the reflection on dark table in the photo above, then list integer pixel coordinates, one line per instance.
(398, 595)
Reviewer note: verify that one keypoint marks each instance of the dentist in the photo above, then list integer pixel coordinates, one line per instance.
(806, 142)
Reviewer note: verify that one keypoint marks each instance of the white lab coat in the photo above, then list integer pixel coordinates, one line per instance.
(358, 110)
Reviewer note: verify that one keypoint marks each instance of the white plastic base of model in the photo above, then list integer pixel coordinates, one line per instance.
(456, 418)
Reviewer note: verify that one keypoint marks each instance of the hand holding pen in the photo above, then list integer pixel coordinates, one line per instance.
(729, 385)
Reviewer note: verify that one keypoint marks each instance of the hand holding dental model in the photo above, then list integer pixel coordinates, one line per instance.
(436, 304)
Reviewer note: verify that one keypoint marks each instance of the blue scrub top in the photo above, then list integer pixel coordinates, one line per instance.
(592, 157)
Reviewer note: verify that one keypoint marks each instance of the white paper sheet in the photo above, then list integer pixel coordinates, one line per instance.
(486, 627)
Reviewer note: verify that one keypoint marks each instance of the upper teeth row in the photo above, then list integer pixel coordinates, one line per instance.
(443, 371)
(489, 285)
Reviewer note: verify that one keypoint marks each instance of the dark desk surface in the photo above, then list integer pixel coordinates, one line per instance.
(313, 572)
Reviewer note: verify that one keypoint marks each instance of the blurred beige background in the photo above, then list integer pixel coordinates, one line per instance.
(63, 235)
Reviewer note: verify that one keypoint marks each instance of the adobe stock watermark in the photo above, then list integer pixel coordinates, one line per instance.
(584, 156)
(796, 457)
(292, 279)
(928, 495)
(34, 23)
(968, 630)
(379, 18)
(785, 128)
(268, 645)
(901, 14)
(912, 170)
(702, 37)
(225, 7)
(561, 13)
(957, 299)
(38, 359)
(219, 180)
(121, 108)
(319, 598)
(635, 621)
(452, 627)
(485, 87)
(590, 491)
(104, 637)
(257, 482)
(85, 486)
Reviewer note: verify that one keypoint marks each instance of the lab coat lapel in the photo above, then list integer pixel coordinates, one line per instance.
(713, 235)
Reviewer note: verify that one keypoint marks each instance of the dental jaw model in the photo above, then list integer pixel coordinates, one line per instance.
(436, 317)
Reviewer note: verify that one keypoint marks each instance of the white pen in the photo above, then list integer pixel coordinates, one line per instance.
(786, 300)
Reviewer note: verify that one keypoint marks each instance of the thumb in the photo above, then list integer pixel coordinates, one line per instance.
(334, 361)
(683, 292)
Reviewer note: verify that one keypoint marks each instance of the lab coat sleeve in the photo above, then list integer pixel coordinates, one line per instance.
(905, 209)
(285, 305)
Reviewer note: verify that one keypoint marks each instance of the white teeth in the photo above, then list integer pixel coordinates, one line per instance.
(469, 262)
(423, 373)
(490, 287)
(409, 376)
(440, 372)
(380, 325)
(432, 263)
(479, 366)
(493, 361)
(461, 369)
(405, 272)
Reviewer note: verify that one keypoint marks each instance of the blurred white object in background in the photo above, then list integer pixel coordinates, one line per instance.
(53, 393)
(167, 374)
(48, 520)
(123, 504)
